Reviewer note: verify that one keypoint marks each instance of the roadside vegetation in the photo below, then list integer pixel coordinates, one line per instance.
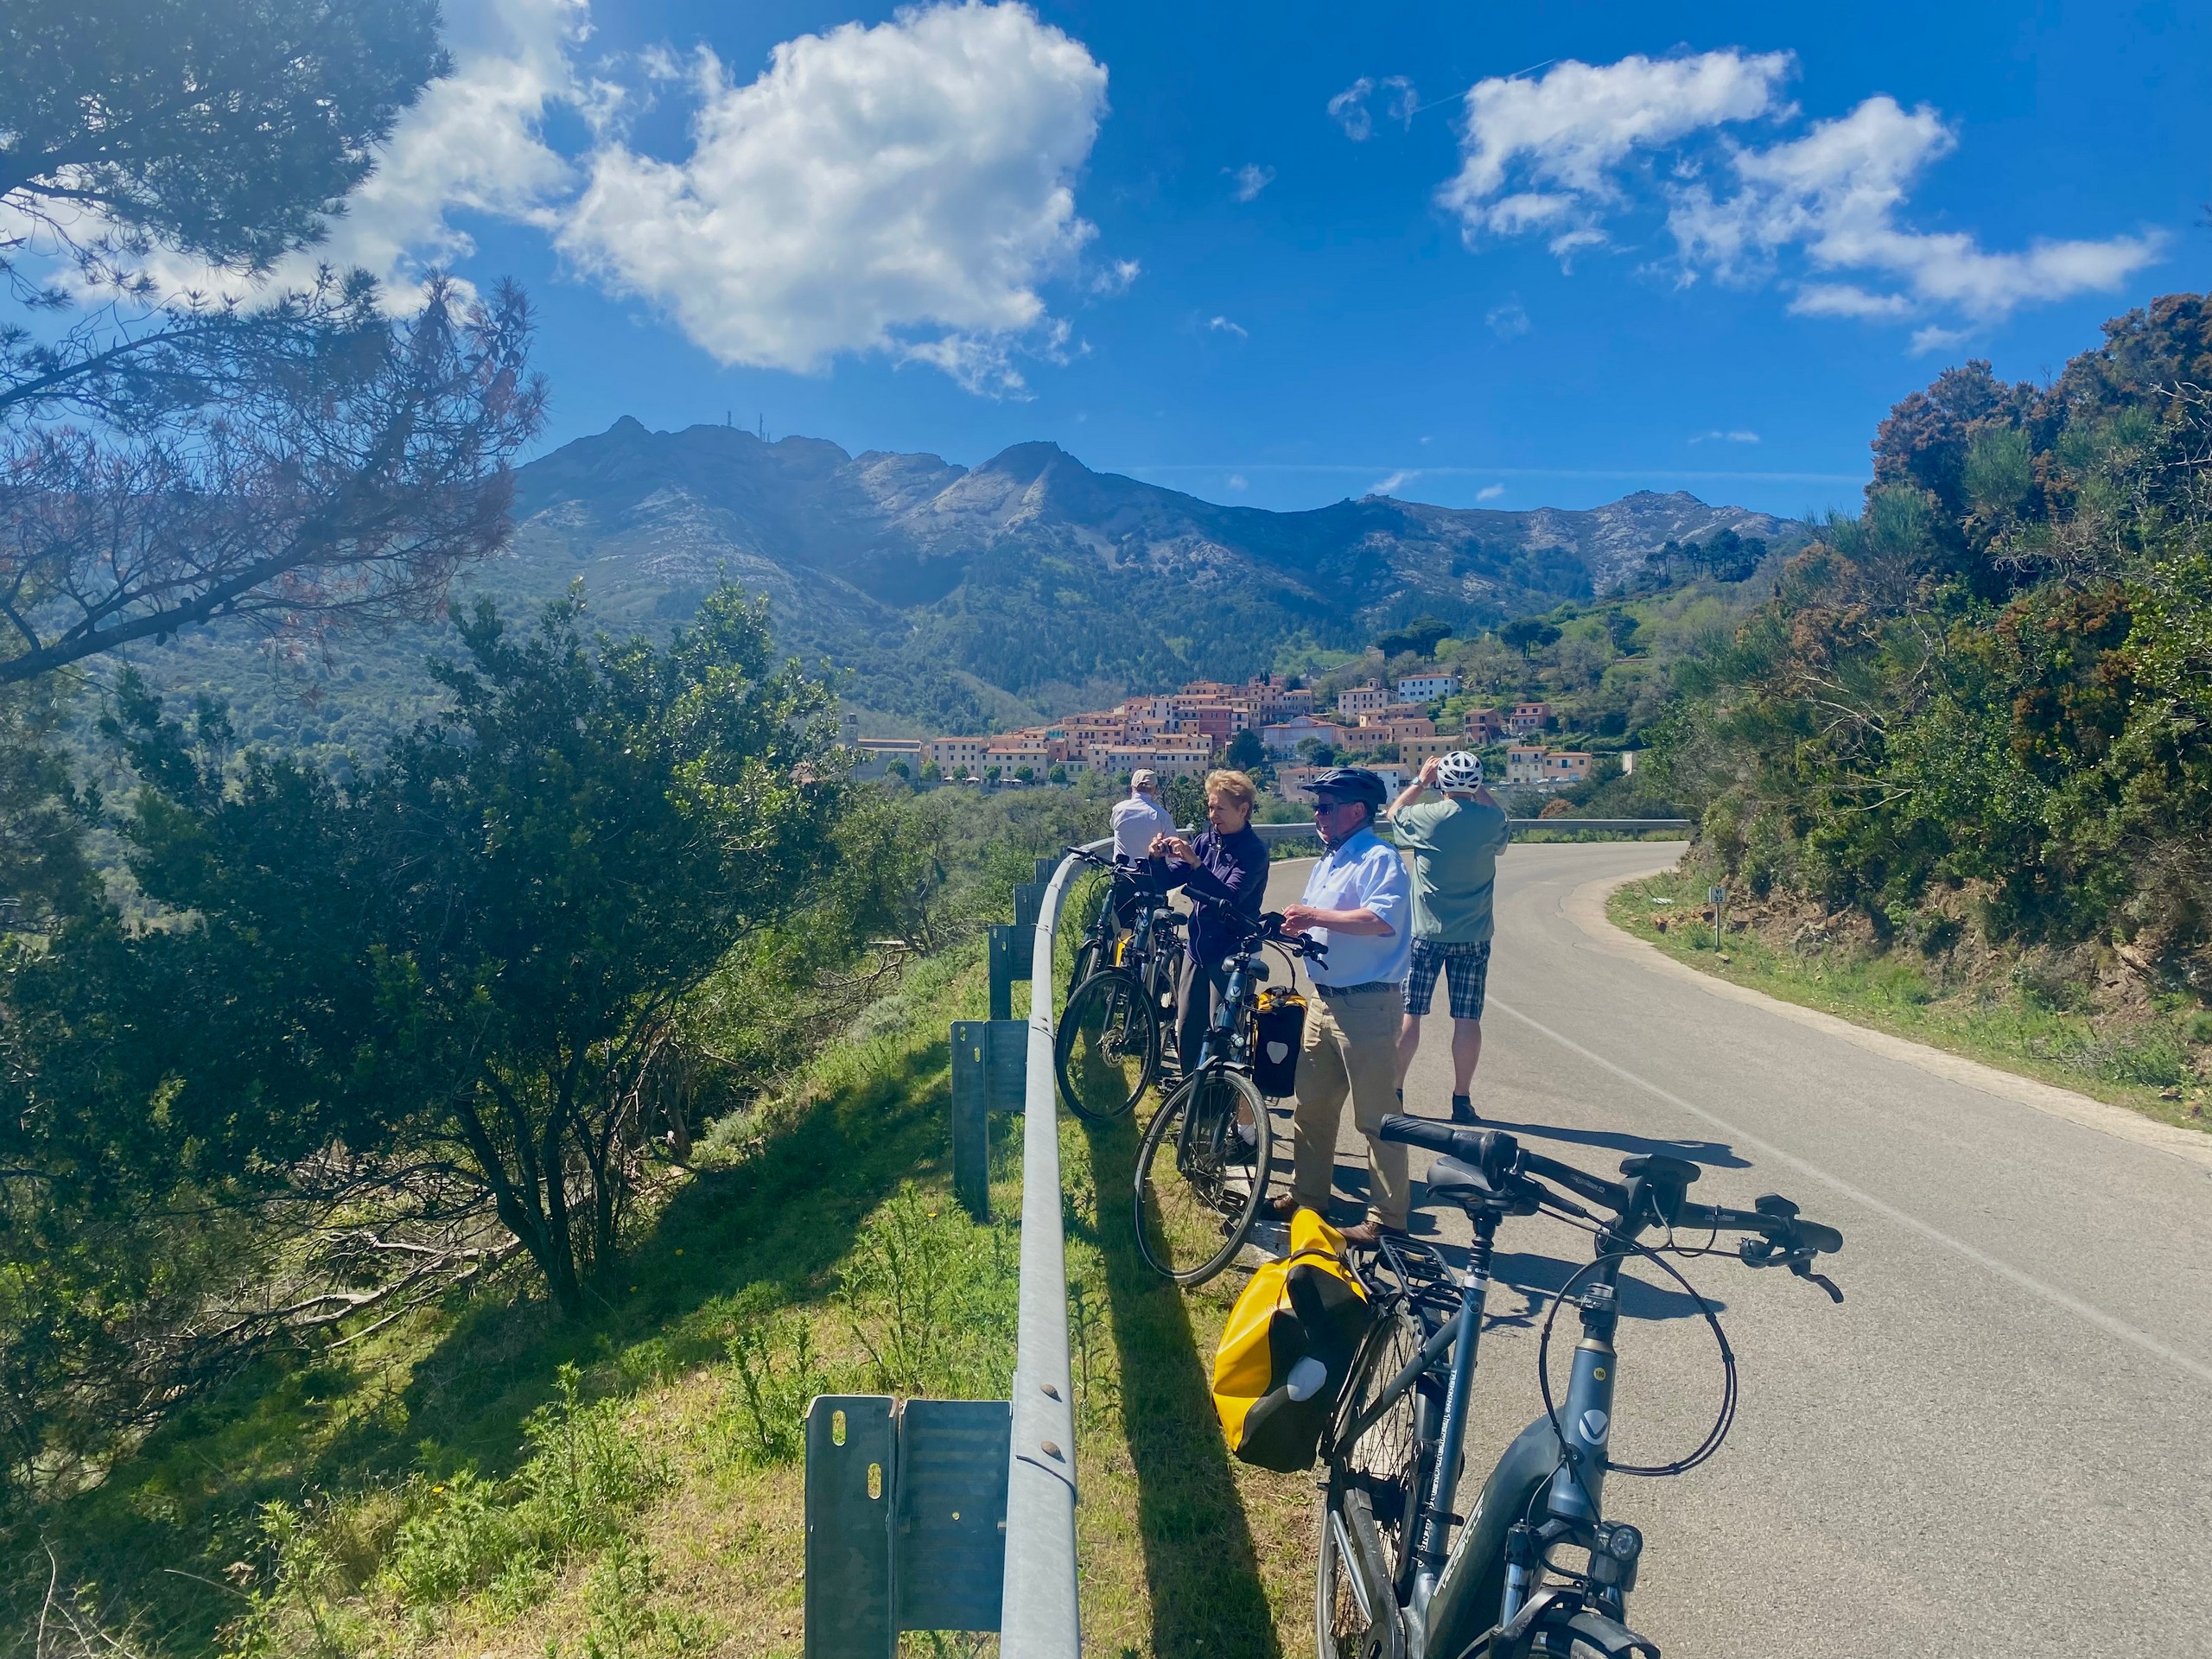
(1968, 740)
(2062, 1018)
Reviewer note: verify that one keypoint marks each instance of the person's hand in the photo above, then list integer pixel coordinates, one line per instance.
(1180, 850)
(1157, 847)
(1299, 919)
(1429, 770)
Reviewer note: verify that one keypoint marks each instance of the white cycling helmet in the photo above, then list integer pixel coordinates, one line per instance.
(1459, 770)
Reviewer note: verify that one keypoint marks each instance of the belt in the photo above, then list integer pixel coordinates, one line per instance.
(1357, 990)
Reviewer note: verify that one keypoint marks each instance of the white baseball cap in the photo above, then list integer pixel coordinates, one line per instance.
(1144, 778)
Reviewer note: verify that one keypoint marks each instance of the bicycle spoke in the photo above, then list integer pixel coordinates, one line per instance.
(1104, 1050)
(1199, 1180)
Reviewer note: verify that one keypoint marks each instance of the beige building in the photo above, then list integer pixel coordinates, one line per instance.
(1524, 764)
(1369, 699)
(958, 757)
(1531, 763)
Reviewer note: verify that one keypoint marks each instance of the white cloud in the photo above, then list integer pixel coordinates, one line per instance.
(1566, 132)
(1116, 277)
(1507, 321)
(1846, 300)
(1238, 481)
(1490, 491)
(1348, 109)
(903, 189)
(1223, 325)
(1935, 339)
(1740, 435)
(1395, 481)
(1558, 155)
(1251, 179)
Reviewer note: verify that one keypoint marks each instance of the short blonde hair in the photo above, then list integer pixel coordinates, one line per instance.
(1234, 784)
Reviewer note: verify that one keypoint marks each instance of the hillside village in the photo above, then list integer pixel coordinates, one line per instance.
(1268, 722)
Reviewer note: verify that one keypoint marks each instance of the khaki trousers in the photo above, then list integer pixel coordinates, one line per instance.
(1351, 1047)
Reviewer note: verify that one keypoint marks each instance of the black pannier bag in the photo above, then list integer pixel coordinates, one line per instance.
(1278, 1028)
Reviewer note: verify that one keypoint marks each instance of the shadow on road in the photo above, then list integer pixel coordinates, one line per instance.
(1538, 1279)
(1201, 1568)
(1717, 1154)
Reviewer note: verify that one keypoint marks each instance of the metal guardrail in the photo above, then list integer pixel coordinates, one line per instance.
(1274, 832)
(1038, 1619)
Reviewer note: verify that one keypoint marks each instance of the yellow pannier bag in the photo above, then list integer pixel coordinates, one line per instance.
(1287, 1348)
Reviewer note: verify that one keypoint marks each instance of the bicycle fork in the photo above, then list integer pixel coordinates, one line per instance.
(1431, 1548)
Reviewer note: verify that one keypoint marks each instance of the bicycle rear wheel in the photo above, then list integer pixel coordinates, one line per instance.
(1371, 1501)
(1202, 1174)
(1107, 1047)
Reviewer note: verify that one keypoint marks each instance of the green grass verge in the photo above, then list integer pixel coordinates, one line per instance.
(2007, 1026)
(489, 1479)
(486, 1479)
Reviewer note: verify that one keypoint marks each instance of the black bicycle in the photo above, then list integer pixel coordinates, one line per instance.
(1112, 1034)
(1391, 1579)
(1192, 1218)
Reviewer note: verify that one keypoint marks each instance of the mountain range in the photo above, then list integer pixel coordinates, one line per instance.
(967, 598)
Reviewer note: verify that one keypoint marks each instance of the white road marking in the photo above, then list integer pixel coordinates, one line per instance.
(2051, 1294)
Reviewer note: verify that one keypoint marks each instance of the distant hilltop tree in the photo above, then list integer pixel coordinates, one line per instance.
(1419, 638)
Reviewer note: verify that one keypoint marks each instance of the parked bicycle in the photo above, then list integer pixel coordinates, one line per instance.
(1113, 1033)
(1391, 1579)
(1193, 1215)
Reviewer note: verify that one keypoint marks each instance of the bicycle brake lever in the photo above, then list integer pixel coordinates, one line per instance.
(1804, 1270)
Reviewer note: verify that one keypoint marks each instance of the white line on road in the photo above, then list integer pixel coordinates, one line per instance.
(2027, 1282)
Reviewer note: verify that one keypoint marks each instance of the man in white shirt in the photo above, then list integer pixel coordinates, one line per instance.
(1136, 822)
(1138, 818)
(1359, 903)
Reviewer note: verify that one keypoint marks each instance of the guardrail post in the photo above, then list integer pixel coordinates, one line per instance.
(905, 1515)
(1010, 961)
(991, 1068)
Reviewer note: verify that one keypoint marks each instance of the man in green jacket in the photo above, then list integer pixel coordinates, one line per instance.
(1455, 844)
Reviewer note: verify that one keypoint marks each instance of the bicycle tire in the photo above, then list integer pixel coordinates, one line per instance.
(1107, 1049)
(1375, 1484)
(1193, 1215)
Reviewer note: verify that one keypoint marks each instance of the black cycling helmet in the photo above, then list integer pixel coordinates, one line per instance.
(1350, 784)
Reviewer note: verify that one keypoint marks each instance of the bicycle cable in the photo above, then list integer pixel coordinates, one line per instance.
(1721, 1423)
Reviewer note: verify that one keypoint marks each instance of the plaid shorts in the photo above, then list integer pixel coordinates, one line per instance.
(1466, 968)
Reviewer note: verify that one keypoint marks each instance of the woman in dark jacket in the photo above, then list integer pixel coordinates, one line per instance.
(1226, 863)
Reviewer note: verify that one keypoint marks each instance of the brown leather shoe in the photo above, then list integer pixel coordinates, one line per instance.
(1281, 1207)
(1367, 1234)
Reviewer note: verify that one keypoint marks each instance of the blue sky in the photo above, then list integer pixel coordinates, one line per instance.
(1283, 254)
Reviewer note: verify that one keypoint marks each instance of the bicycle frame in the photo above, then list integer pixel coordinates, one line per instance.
(1497, 1552)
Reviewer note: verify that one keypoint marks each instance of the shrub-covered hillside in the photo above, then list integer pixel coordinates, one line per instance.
(1992, 687)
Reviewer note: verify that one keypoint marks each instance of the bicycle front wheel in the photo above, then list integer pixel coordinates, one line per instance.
(1202, 1174)
(1371, 1502)
(1107, 1047)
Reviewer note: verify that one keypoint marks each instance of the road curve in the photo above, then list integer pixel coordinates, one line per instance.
(1993, 1447)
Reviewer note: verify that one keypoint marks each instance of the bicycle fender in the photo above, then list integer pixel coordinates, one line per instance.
(1468, 1595)
(1609, 1637)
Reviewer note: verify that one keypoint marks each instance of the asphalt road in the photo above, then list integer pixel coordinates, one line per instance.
(1997, 1444)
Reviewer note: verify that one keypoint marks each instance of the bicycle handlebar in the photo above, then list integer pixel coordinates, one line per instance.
(1784, 1238)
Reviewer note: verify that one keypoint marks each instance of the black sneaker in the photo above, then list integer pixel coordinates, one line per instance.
(1463, 1110)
